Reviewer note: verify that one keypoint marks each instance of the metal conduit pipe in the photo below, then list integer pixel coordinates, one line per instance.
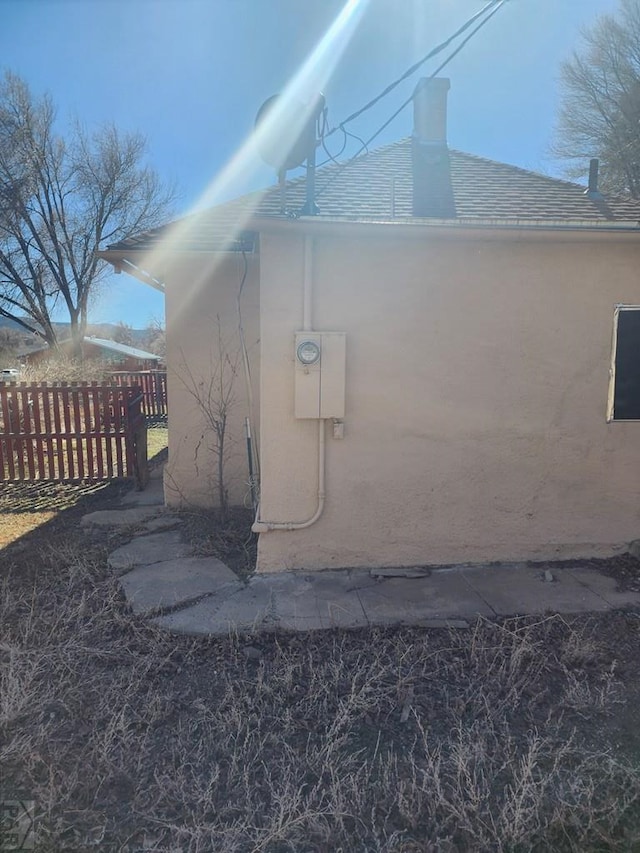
(260, 526)
(307, 286)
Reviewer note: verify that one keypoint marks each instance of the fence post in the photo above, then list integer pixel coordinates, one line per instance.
(136, 436)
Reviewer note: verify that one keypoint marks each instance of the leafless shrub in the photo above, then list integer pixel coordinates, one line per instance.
(214, 395)
(63, 368)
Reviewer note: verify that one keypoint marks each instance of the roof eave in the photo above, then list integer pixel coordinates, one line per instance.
(475, 227)
(125, 261)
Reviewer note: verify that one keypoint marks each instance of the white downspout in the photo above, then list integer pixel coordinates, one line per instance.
(260, 526)
(307, 286)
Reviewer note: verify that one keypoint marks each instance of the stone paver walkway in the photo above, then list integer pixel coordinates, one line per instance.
(200, 595)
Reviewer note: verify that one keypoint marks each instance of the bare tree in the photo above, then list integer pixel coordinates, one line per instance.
(155, 339)
(600, 109)
(61, 197)
(10, 342)
(123, 333)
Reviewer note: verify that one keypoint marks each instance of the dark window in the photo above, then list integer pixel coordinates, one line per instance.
(626, 365)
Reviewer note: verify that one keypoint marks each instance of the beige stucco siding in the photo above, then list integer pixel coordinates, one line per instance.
(477, 376)
(202, 325)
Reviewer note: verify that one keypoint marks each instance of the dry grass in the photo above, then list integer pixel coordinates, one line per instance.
(14, 527)
(230, 540)
(24, 507)
(157, 442)
(63, 368)
(499, 738)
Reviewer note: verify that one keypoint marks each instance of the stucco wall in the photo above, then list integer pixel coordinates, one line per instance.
(477, 376)
(203, 346)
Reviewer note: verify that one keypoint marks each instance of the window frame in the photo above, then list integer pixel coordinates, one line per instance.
(611, 418)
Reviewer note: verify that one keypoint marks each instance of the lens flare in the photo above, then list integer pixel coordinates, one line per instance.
(280, 128)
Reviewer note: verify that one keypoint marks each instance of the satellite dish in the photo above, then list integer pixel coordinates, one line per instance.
(279, 149)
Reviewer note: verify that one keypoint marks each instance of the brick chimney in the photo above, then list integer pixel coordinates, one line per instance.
(432, 192)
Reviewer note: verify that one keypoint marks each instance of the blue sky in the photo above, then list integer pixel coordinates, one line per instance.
(191, 74)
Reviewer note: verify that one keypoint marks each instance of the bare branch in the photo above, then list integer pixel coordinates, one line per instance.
(61, 198)
(214, 394)
(600, 111)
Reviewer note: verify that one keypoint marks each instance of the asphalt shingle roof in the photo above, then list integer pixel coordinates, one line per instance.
(378, 187)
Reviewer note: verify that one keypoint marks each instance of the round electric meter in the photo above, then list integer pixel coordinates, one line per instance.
(308, 352)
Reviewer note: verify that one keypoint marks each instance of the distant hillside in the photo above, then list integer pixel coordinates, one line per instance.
(6, 323)
(16, 342)
(98, 330)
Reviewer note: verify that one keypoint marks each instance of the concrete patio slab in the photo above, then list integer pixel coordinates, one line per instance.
(458, 624)
(453, 597)
(289, 601)
(253, 608)
(173, 582)
(213, 601)
(162, 522)
(408, 601)
(605, 587)
(196, 620)
(329, 599)
(513, 591)
(246, 610)
(118, 517)
(144, 550)
(152, 495)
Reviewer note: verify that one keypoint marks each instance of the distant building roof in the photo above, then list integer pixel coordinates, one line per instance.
(111, 346)
(122, 349)
(378, 186)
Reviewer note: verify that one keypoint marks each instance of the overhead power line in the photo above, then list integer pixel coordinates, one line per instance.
(494, 7)
(410, 71)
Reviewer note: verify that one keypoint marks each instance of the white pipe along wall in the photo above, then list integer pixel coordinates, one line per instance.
(259, 525)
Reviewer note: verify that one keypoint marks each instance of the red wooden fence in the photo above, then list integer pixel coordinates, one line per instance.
(153, 384)
(71, 432)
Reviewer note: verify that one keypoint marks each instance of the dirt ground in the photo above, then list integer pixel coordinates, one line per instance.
(512, 735)
(27, 506)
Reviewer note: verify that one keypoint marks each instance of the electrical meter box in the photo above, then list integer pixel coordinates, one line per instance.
(320, 365)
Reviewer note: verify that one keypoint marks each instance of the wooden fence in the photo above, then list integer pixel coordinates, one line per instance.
(72, 432)
(153, 384)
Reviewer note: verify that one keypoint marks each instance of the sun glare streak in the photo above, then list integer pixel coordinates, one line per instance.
(279, 129)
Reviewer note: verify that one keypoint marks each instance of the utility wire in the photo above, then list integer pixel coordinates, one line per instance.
(365, 145)
(434, 52)
(332, 157)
